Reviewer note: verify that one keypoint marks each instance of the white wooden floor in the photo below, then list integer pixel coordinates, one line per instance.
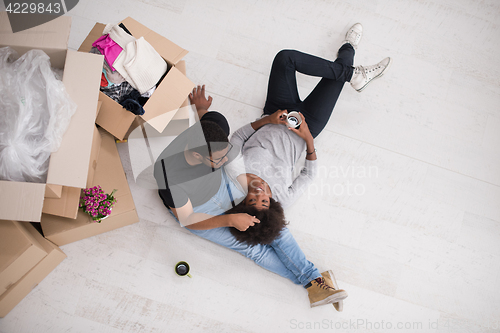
(406, 210)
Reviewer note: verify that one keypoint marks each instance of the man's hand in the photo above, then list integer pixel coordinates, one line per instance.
(242, 221)
(197, 97)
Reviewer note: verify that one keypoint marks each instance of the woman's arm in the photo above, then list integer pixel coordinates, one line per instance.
(306, 135)
(300, 184)
(307, 173)
(276, 118)
(244, 133)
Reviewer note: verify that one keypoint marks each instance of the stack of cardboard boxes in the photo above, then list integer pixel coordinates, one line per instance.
(88, 155)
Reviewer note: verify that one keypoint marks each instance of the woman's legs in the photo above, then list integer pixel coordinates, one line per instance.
(282, 90)
(319, 104)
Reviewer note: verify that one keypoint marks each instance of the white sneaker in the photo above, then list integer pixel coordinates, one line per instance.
(353, 35)
(366, 74)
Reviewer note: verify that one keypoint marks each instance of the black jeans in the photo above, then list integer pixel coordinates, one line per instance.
(282, 93)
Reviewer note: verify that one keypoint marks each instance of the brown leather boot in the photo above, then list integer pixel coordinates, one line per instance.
(320, 293)
(330, 280)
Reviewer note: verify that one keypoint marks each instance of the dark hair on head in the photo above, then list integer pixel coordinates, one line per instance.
(272, 221)
(215, 139)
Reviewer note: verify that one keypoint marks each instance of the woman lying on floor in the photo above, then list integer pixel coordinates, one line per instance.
(271, 149)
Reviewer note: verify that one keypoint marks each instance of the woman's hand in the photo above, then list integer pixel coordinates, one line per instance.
(279, 117)
(243, 221)
(303, 130)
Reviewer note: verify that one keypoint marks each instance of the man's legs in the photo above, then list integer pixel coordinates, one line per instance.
(317, 107)
(293, 258)
(263, 255)
(283, 256)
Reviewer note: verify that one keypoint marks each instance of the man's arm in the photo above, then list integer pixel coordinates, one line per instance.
(201, 221)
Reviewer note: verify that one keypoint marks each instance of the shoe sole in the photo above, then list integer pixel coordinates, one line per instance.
(339, 306)
(376, 77)
(335, 298)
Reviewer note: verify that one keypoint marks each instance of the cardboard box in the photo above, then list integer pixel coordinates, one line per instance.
(109, 174)
(16, 292)
(165, 101)
(20, 251)
(66, 205)
(178, 123)
(68, 168)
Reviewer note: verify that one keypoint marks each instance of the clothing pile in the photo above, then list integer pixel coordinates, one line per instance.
(132, 67)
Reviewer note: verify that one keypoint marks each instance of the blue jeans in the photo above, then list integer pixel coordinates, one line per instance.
(283, 256)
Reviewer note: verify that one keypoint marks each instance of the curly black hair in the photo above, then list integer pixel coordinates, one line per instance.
(272, 221)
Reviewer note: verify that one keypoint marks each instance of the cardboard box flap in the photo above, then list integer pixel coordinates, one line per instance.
(116, 119)
(62, 231)
(94, 155)
(53, 35)
(20, 251)
(21, 201)
(53, 191)
(94, 34)
(82, 76)
(66, 206)
(183, 112)
(165, 102)
(136, 29)
(109, 175)
(23, 287)
(99, 104)
(13, 242)
(170, 51)
(109, 172)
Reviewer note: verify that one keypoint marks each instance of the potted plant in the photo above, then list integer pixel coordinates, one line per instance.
(96, 203)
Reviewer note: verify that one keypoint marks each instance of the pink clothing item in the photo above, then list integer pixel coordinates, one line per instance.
(108, 48)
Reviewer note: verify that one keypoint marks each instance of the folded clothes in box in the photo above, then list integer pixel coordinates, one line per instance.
(170, 92)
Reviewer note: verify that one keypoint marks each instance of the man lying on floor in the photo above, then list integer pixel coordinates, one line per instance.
(196, 189)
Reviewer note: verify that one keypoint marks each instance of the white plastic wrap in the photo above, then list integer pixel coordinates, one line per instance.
(35, 111)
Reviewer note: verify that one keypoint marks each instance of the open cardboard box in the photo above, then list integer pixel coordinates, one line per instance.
(162, 106)
(109, 174)
(20, 289)
(20, 251)
(177, 124)
(68, 168)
